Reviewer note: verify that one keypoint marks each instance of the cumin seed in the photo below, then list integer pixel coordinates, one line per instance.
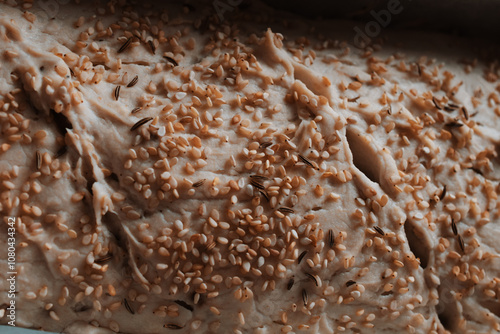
(133, 82)
(140, 123)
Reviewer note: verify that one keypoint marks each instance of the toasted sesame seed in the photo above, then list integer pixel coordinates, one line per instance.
(152, 46)
(331, 238)
(290, 283)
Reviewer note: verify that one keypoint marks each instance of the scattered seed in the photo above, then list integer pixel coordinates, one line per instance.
(435, 103)
(304, 296)
(285, 209)
(125, 45)
(306, 161)
(152, 46)
(38, 160)
(290, 283)
(476, 170)
(133, 82)
(210, 246)
(172, 60)
(104, 259)
(127, 306)
(419, 69)
(184, 304)
(301, 256)
(349, 283)
(117, 92)
(135, 110)
(140, 123)
(61, 151)
(257, 184)
(259, 177)
(312, 278)
(443, 193)
(389, 110)
(454, 227)
(263, 193)
(331, 238)
(172, 326)
(461, 243)
(265, 144)
(354, 99)
(379, 230)
(465, 112)
(199, 183)
(454, 124)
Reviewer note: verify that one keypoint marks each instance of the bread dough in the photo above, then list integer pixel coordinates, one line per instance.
(169, 172)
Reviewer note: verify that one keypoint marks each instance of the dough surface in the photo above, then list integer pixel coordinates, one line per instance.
(169, 171)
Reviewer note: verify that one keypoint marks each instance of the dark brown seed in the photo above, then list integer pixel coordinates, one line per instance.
(461, 243)
(171, 60)
(465, 112)
(38, 160)
(285, 209)
(476, 170)
(172, 326)
(257, 184)
(117, 92)
(301, 256)
(331, 238)
(184, 304)
(454, 227)
(306, 161)
(127, 306)
(199, 183)
(140, 123)
(304, 296)
(265, 144)
(125, 45)
(210, 246)
(443, 193)
(354, 99)
(290, 283)
(312, 278)
(104, 259)
(453, 105)
(259, 177)
(133, 82)
(152, 46)
(435, 103)
(454, 124)
(349, 283)
(263, 193)
(136, 109)
(419, 69)
(379, 230)
(61, 151)
(389, 110)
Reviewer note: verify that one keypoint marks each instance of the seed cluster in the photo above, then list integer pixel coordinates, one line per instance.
(212, 177)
